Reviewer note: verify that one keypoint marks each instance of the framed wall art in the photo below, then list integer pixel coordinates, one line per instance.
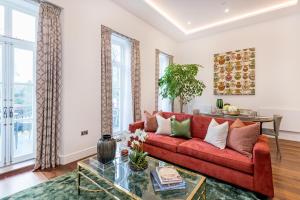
(234, 72)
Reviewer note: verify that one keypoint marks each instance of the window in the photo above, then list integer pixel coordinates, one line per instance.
(121, 83)
(164, 61)
(18, 21)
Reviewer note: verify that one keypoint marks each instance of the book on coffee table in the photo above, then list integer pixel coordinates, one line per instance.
(168, 175)
(165, 187)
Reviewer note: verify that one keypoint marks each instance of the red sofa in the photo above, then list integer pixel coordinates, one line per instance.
(228, 165)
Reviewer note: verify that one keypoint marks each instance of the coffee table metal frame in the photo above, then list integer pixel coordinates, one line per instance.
(82, 165)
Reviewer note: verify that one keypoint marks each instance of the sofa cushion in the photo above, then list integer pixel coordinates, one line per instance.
(226, 157)
(217, 134)
(178, 116)
(200, 124)
(164, 141)
(181, 129)
(164, 125)
(150, 124)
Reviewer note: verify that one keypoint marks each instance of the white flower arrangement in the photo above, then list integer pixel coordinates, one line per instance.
(137, 139)
(137, 156)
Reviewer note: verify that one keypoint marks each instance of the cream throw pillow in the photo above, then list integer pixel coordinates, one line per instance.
(164, 125)
(217, 134)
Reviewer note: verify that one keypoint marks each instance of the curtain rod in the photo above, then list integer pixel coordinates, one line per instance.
(118, 33)
(40, 1)
(165, 53)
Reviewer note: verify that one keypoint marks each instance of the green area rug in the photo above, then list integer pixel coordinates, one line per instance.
(65, 188)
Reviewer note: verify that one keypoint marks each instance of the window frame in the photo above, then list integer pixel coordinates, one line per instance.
(161, 73)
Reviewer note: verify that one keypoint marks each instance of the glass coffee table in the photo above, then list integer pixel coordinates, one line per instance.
(120, 182)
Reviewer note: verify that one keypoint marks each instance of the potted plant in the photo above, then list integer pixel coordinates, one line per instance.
(180, 81)
(137, 156)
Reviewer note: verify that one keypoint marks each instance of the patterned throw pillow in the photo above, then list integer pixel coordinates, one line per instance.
(181, 129)
(164, 125)
(150, 124)
(217, 134)
(243, 138)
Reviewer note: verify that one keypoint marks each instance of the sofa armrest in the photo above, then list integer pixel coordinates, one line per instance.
(263, 180)
(136, 125)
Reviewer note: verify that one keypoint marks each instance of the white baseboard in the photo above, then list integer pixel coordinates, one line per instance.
(293, 136)
(65, 159)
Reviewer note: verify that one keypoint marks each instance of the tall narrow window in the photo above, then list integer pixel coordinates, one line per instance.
(18, 21)
(164, 61)
(121, 83)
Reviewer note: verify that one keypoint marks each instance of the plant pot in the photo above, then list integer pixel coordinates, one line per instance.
(106, 149)
(135, 168)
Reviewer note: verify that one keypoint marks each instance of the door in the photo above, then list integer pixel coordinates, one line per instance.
(21, 104)
(2, 137)
(17, 81)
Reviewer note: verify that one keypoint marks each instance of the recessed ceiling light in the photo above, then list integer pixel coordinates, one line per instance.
(226, 10)
(221, 22)
(189, 23)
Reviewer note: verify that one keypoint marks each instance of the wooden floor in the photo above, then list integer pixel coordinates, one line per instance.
(286, 174)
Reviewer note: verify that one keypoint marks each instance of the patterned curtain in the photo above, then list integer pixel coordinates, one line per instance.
(136, 79)
(106, 81)
(156, 78)
(48, 86)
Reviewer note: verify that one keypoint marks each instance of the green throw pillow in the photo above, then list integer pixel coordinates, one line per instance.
(181, 129)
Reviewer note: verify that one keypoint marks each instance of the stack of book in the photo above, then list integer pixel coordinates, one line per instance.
(167, 178)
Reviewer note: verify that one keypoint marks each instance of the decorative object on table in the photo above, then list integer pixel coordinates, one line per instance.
(217, 134)
(168, 175)
(167, 178)
(106, 149)
(242, 138)
(213, 110)
(234, 72)
(231, 110)
(137, 156)
(124, 152)
(196, 112)
(275, 131)
(180, 81)
(181, 129)
(219, 103)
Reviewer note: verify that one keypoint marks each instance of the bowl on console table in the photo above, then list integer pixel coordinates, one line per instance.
(232, 113)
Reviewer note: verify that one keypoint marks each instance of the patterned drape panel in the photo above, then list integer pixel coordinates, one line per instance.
(106, 81)
(136, 79)
(48, 86)
(156, 78)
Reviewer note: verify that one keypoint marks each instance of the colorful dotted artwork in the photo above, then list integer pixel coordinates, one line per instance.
(234, 72)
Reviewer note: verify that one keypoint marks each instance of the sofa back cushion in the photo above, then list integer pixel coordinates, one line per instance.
(200, 124)
(178, 116)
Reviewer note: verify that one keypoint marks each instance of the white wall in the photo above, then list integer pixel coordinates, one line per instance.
(277, 46)
(81, 68)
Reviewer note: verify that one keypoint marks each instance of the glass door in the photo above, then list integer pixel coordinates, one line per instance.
(22, 103)
(2, 137)
(18, 20)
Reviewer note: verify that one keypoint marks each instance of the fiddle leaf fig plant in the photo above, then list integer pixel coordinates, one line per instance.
(179, 81)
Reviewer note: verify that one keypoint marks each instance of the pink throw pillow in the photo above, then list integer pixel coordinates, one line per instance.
(150, 124)
(243, 139)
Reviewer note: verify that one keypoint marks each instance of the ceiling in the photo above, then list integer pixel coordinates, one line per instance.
(186, 19)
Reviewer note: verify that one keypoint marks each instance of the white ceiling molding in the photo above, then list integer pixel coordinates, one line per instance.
(188, 19)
